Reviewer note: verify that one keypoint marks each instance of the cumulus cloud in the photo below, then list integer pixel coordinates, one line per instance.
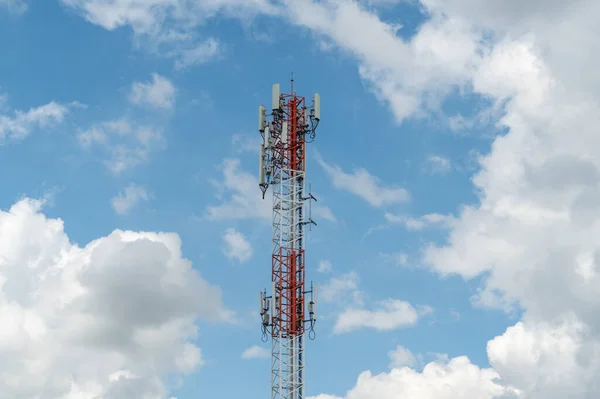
(431, 219)
(240, 195)
(324, 266)
(14, 6)
(126, 200)
(388, 315)
(398, 258)
(438, 164)
(236, 246)
(169, 27)
(364, 185)
(158, 93)
(353, 309)
(341, 288)
(401, 357)
(198, 54)
(532, 231)
(100, 320)
(163, 19)
(20, 125)
(245, 142)
(243, 199)
(323, 212)
(256, 352)
(125, 143)
(411, 77)
(456, 379)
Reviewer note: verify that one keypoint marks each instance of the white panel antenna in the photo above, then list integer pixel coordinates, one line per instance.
(317, 105)
(262, 303)
(262, 118)
(276, 96)
(284, 132)
(261, 165)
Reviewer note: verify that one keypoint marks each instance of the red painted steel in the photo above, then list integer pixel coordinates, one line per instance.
(288, 261)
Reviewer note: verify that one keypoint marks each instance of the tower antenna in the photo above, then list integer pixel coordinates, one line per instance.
(288, 312)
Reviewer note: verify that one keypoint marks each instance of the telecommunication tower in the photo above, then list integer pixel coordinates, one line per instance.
(286, 130)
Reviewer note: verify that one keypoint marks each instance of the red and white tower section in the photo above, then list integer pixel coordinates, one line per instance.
(289, 310)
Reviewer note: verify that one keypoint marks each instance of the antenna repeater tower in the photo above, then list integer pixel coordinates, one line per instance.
(290, 309)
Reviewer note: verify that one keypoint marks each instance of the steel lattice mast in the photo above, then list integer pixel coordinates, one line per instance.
(286, 131)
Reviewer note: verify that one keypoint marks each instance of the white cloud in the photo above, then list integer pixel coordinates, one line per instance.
(352, 312)
(383, 4)
(411, 77)
(14, 6)
(143, 16)
(22, 123)
(324, 266)
(401, 357)
(341, 289)
(240, 195)
(256, 352)
(100, 320)
(246, 143)
(245, 199)
(129, 198)
(438, 164)
(199, 54)
(430, 219)
(401, 259)
(537, 357)
(169, 28)
(532, 232)
(126, 143)
(483, 118)
(365, 186)
(159, 93)
(236, 246)
(323, 212)
(389, 315)
(398, 258)
(166, 20)
(457, 379)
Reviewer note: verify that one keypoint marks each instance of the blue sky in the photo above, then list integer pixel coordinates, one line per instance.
(115, 122)
(215, 101)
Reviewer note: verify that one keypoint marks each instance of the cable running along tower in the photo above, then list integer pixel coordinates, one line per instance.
(285, 313)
